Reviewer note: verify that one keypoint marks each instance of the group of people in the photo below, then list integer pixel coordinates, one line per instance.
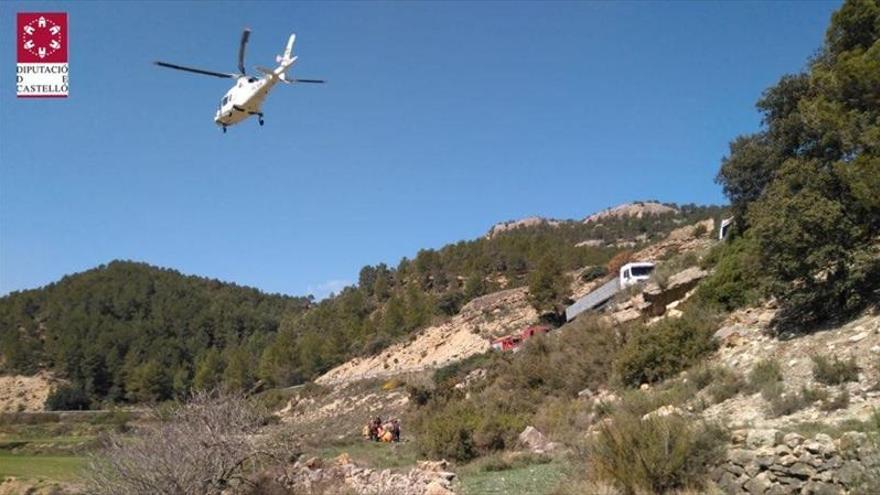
(377, 431)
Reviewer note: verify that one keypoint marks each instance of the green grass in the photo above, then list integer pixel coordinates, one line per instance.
(35, 467)
(535, 479)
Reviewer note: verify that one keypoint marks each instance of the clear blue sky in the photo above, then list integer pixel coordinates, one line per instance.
(439, 120)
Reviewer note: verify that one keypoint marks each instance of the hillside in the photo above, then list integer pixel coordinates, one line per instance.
(128, 331)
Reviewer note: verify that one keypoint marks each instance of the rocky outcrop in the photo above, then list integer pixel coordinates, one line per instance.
(636, 209)
(499, 228)
(343, 476)
(768, 462)
(673, 290)
(535, 441)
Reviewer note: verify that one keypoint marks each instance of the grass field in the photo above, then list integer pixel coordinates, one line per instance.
(38, 467)
(535, 479)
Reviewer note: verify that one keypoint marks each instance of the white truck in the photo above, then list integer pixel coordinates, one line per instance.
(630, 274)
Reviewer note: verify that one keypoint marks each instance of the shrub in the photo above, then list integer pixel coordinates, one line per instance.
(67, 398)
(765, 375)
(447, 432)
(619, 259)
(812, 395)
(418, 395)
(665, 349)
(736, 281)
(655, 455)
(700, 230)
(839, 401)
(205, 446)
(726, 385)
(593, 273)
(786, 403)
(834, 371)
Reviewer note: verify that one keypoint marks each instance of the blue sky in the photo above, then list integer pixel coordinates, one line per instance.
(439, 120)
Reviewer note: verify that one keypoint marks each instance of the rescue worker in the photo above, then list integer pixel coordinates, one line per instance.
(395, 430)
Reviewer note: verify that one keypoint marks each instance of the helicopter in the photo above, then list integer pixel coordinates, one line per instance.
(247, 96)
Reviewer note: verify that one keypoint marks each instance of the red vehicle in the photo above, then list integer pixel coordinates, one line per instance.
(507, 343)
(512, 342)
(529, 332)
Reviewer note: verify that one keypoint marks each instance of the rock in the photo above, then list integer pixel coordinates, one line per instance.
(433, 466)
(801, 470)
(763, 438)
(535, 441)
(792, 440)
(781, 450)
(858, 337)
(759, 484)
(850, 473)
(435, 488)
(676, 287)
(731, 335)
(821, 488)
(822, 444)
(786, 460)
(662, 412)
(777, 490)
(585, 393)
(740, 457)
(752, 469)
(851, 441)
(729, 484)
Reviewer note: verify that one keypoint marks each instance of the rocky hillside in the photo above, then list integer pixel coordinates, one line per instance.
(636, 209)
(467, 333)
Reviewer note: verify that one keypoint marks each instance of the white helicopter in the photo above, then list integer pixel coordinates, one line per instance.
(247, 96)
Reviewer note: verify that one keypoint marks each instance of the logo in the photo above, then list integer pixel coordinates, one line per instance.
(42, 70)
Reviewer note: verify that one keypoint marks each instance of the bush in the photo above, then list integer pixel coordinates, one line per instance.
(67, 398)
(447, 432)
(834, 371)
(785, 403)
(593, 273)
(655, 455)
(726, 385)
(204, 446)
(736, 281)
(658, 352)
(840, 401)
(765, 375)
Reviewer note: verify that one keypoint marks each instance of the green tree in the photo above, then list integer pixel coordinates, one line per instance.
(548, 285)
(149, 382)
(209, 370)
(807, 184)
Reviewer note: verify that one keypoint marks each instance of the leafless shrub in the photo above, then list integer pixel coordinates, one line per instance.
(210, 444)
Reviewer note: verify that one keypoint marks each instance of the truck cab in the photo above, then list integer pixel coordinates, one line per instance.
(633, 273)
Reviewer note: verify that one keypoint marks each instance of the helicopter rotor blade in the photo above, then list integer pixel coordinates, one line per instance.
(316, 81)
(245, 35)
(197, 71)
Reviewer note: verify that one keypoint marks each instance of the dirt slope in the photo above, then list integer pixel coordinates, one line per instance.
(468, 333)
(20, 393)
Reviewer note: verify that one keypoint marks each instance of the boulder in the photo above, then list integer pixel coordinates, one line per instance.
(676, 287)
(759, 484)
(792, 440)
(763, 438)
(535, 441)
